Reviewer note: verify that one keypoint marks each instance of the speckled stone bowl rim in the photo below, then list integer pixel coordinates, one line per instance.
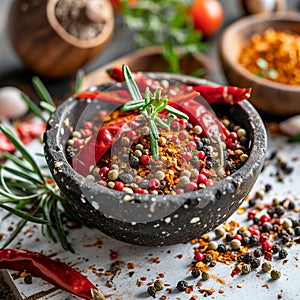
(255, 159)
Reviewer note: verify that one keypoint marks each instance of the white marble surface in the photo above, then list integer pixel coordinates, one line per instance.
(93, 249)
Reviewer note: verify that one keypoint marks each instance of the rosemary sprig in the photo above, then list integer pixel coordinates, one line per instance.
(27, 189)
(149, 107)
(166, 24)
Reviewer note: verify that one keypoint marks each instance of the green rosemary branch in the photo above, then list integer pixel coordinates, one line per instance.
(149, 107)
(27, 189)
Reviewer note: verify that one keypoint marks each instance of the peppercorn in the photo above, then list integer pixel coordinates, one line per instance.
(126, 178)
(268, 187)
(275, 274)
(251, 202)
(246, 269)
(245, 241)
(248, 257)
(196, 273)
(199, 145)
(283, 254)
(28, 279)
(240, 258)
(255, 263)
(266, 227)
(151, 290)
(219, 232)
(158, 285)
(253, 240)
(113, 174)
(207, 258)
(257, 252)
(134, 161)
(297, 231)
(205, 276)
(213, 245)
(228, 237)
(266, 266)
(182, 285)
(221, 248)
(235, 244)
(255, 220)
(276, 248)
(287, 223)
(279, 210)
(291, 205)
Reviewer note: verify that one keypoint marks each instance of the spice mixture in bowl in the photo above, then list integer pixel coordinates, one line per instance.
(156, 169)
(262, 51)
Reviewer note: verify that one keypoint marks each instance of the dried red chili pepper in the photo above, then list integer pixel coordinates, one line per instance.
(52, 271)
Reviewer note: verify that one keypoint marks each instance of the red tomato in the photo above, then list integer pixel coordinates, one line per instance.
(208, 16)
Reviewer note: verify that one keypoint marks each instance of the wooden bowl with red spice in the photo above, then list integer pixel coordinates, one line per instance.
(105, 161)
(262, 51)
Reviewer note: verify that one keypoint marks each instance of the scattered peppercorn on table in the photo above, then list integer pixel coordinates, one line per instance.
(253, 254)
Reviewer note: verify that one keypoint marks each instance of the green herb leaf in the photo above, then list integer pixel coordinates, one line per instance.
(42, 91)
(131, 84)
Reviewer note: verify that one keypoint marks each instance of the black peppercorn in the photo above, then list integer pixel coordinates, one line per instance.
(255, 263)
(134, 161)
(268, 187)
(151, 290)
(255, 220)
(291, 205)
(228, 237)
(199, 145)
(257, 252)
(283, 254)
(248, 257)
(196, 273)
(251, 202)
(240, 258)
(205, 141)
(279, 210)
(276, 248)
(253, 240)
(297, 231)
(271, 211)
(266, 227)
(245, 241)
(221, 248)
(28, 279)
(182, 285)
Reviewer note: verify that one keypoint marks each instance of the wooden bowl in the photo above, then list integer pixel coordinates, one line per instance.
(153, 220)
(149, 59)
(45, 46)
(267, 96)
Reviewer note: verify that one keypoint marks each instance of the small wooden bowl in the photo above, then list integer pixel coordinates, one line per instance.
(45, 46)
(267, 96)
(149, 59)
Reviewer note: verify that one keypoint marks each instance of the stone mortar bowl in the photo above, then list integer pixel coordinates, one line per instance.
(153, 220)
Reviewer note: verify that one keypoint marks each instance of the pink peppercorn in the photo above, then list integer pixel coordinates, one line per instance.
(131, 134)
(233, 135)
(77, 143)
(201, 154)
(175, 139)
(141, 191)
(266, 245)
(187, 156)
(191, 186)
(103, 173)
(179, 191)
(199, 256)
(201, 178)
(192, 145)
(154, 184)
(175, 125)
(205, 172)
(183, 123)
(144, 159)
(119, 186)
(182, 135)
(265, 218)
(251, 214)
(237, 237)
(86, 132)
(88, 125)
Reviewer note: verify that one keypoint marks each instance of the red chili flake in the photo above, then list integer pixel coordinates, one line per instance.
(143, 278)
(268, 256)
(113, 254)
(161, 275)
(156, 260)
(130, 265)
(179, 256)
(265, 285)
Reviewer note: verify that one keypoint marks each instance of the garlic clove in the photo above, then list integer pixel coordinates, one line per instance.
(12, 106)
(291, 126)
